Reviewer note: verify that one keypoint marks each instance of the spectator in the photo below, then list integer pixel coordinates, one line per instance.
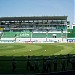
(63, 64)
(48, 64)
(73, 62)
(32, 67)
(36, 65)
(55, 64)
(28, 63)
(68, 60)
(44, 65)
(13, 65)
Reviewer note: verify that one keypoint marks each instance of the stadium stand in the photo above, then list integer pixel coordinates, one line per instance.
(39, 35)
(16, 34)
(35, 27)
(28, 35)
(72, 33)
(8, 35)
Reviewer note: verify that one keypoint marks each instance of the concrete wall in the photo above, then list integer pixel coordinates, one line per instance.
(34, 40)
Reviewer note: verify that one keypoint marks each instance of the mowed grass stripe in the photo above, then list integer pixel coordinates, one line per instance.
(17, 49)
(64, 51)
(27, 48)
(36, 49)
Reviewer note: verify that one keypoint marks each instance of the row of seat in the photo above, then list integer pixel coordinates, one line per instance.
(29, 35)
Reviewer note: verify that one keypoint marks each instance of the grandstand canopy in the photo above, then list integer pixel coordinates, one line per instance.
(33, 18)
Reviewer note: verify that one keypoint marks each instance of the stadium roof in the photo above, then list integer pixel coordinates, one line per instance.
(33, 18)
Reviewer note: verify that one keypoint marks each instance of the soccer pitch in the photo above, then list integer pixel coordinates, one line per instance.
(45, 49)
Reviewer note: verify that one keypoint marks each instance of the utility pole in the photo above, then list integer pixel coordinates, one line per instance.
(62, 34)
(46, 34)
(0, 35)
(31, 35)
(15, 37)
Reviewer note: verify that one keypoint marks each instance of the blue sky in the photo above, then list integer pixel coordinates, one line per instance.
(37, 8)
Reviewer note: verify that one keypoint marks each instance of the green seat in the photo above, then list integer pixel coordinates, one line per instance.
(39, 35)
(16, 34)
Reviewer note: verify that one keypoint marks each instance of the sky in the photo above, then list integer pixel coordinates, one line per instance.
(38, 8)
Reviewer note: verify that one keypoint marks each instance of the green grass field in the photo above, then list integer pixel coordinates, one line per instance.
(36, 49)
(22, 50)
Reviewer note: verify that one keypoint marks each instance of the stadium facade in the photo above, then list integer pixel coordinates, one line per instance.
(33, 29)
(71, 33)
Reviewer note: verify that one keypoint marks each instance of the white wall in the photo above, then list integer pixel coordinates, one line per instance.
(7, 38)
(40, 40)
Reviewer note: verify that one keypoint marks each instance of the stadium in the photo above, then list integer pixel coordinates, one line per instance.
(34, 29)
(31, 40)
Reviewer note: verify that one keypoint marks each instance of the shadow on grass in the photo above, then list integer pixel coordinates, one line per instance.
(36, 64)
